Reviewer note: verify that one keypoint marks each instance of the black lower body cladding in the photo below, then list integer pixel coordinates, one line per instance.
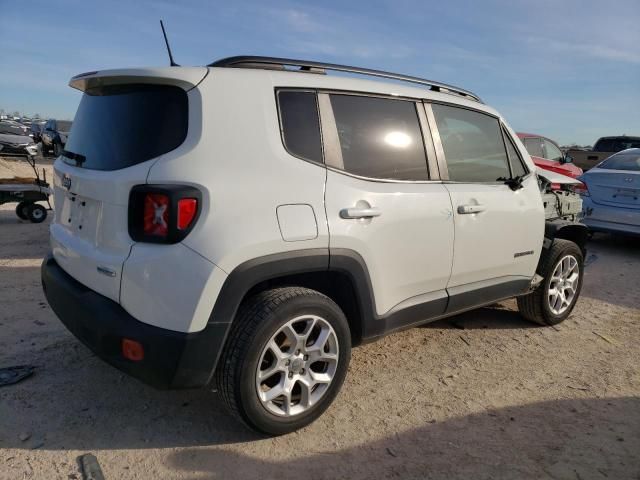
(171, 359)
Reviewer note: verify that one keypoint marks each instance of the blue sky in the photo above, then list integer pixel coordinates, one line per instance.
(568, 69)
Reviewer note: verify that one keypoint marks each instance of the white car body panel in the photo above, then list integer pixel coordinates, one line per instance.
(239, 220)
(170, 286)
(90, 226)
(487, 243)
(412, 236)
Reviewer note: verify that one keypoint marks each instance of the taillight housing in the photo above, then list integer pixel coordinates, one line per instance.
(582, 189)
(163, 213)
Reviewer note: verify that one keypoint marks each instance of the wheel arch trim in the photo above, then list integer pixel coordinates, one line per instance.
(567, 230)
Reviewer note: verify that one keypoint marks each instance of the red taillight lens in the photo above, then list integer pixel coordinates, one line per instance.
(163, 213)
(132, 350)
(582, 189)
(187, 209)
(156, 214)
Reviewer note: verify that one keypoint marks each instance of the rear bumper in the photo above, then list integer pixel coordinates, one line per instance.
(171, 359)
(610, 219)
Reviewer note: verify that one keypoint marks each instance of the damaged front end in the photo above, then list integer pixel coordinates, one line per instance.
(559, 196)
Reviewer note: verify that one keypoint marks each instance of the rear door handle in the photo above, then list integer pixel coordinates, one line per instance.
(466, 209)
(355, 212)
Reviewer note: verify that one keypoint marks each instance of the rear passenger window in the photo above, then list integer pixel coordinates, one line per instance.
(300, 124)
(473, 145)
(379, 137)
(517, 167)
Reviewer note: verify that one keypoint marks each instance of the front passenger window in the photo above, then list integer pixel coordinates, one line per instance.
(517, 166)
(472, 144)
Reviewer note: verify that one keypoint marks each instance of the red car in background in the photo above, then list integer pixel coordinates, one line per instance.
(546, 154)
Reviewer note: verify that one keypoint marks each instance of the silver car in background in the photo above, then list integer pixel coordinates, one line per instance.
(611, 200)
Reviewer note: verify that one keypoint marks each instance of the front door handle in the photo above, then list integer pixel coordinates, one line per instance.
(466, 209)
(355, 212)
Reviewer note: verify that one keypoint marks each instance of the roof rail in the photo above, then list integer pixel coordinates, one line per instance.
(317, 67)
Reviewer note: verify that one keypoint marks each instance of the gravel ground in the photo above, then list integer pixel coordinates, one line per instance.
(481, 395)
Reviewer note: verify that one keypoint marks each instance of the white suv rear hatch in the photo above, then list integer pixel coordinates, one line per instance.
(125, 121)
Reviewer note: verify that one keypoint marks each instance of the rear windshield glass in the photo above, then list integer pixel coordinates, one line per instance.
(122, 125)
(626, 161)
(616, 144)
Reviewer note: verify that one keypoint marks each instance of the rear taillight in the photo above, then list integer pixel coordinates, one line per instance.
(156, 214)
(162, 213)
(187, 209)
(582, 189)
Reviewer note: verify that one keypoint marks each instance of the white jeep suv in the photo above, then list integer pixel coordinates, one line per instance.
(241, 226)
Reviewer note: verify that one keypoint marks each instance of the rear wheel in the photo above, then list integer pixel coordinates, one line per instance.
(36, 213)
(285, 360)
(21, 210)
(562, 271)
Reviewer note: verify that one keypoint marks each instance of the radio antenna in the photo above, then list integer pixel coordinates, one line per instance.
(164, 33)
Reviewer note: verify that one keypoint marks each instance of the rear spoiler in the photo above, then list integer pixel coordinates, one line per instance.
(183, 77)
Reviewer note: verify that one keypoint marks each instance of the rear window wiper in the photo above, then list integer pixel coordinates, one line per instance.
(79, 159)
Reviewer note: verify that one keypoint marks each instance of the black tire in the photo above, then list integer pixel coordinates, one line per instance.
(36, 213)
(535, 306)
(21, 210)
(57, 149)
(258, 319)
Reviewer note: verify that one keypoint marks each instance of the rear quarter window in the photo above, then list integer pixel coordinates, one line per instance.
(300, 124)
(122, 125)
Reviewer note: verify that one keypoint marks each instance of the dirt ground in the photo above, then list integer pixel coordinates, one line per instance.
(481, 395)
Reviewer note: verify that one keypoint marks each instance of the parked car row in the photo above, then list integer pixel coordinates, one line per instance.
(611, 185)
(20, 136)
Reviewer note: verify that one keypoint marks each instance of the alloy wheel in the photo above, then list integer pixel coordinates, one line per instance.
(563, 285)
(297, 365)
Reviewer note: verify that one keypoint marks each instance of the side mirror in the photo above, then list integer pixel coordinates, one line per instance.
(567, 158)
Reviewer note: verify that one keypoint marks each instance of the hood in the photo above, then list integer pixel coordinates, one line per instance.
(554, 177)
(15, 139)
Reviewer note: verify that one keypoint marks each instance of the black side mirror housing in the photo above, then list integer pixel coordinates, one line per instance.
(567, 159)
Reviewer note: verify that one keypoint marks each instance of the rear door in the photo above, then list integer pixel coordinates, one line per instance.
(498, 231)
(118, 131)
(380, 201)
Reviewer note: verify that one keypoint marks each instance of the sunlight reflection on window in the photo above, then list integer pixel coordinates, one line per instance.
(397, 139)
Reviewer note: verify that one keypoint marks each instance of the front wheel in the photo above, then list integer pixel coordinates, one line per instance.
(553, 300)
(285, 360)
